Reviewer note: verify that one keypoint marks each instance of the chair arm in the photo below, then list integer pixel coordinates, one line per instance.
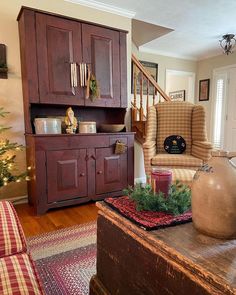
(203, 144)
(202, 150)
(149, 144)
(149, 151)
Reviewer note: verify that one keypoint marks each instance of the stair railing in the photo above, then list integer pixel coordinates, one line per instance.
(140, 74)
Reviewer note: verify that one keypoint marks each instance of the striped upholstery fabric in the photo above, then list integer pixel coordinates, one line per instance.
(199, 124)
(172, 160)
(174, 118)
(151, 129)
(183, 175)
(202, 150)
(18, 277)
(12, 238)
(149, 151)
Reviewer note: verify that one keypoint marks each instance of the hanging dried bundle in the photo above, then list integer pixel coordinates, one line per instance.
(94, 88)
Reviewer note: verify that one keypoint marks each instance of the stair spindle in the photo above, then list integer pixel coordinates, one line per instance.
(134, 111)
(154, 94)
(147, 104)
(141, 118)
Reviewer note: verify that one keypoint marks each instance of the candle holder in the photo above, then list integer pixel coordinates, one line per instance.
(161, 180)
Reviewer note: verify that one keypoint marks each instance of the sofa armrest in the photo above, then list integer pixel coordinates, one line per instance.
(202, 150)
(18, 275)
(12, 239)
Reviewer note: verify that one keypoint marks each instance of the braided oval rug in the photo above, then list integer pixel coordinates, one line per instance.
(65, 259)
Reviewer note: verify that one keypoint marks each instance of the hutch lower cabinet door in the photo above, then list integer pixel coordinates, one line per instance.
(111, 170)
(66, 174)
(73, 169)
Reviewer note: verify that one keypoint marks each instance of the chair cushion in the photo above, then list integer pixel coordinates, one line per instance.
(174, 118)
(12, 239)
(172, 160)
(183, 175)
(18, 276)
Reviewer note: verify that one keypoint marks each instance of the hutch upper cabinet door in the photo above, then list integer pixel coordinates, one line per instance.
(58, 47)
(101, 51)
(111, 171)
(66, 174)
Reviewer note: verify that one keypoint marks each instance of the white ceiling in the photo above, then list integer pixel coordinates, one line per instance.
(198, 24)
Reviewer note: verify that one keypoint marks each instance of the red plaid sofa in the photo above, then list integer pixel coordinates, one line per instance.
(17, 271)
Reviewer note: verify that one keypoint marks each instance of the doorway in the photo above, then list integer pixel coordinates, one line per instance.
(224, 109)
(181, 80)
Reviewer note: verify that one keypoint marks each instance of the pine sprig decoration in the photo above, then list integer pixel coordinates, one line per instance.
(7, 159)
(178, 201)
(3, 114)
(94, 88)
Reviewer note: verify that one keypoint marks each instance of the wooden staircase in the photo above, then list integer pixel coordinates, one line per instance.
(146, 92)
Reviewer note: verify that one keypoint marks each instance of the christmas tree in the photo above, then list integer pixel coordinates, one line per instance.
(7, 158)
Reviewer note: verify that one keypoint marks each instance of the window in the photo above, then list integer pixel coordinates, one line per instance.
(219, 110)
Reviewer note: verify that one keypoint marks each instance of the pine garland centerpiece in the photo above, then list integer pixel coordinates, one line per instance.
(177, 202)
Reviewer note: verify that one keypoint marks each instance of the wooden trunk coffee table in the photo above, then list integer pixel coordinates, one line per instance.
(176, 260)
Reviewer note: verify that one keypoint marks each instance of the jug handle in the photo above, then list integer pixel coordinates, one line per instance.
(231, 155)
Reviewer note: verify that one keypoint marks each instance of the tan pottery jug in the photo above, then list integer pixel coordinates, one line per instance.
(214, 196)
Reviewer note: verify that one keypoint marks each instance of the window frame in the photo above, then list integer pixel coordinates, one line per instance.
(217, 75)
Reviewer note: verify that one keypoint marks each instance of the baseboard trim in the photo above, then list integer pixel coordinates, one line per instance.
(18, 200)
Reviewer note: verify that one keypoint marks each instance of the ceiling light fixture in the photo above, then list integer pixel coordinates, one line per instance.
(227, 42)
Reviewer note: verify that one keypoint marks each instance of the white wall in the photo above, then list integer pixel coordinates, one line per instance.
(205, 71)
(179, 80)
(176, 83)
(164, 63)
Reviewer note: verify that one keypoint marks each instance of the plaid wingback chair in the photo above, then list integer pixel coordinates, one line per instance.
(176, 118)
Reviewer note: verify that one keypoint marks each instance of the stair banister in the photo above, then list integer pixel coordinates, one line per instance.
(150, 78)
(139, 122)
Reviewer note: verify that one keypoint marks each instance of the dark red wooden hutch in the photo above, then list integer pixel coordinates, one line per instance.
(72, 169)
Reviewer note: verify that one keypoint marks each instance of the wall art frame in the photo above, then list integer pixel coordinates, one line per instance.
(204, 89)
(178, 95)
(152, 68)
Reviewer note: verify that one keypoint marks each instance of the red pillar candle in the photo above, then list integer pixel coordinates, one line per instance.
(161, 180)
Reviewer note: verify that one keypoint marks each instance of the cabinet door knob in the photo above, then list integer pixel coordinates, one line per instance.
(99, 172)
(82, 174)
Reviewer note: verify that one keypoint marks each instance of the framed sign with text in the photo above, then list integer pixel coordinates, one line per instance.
(177, 95)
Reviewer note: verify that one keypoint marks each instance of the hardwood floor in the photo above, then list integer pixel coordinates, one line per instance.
(54, 219)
